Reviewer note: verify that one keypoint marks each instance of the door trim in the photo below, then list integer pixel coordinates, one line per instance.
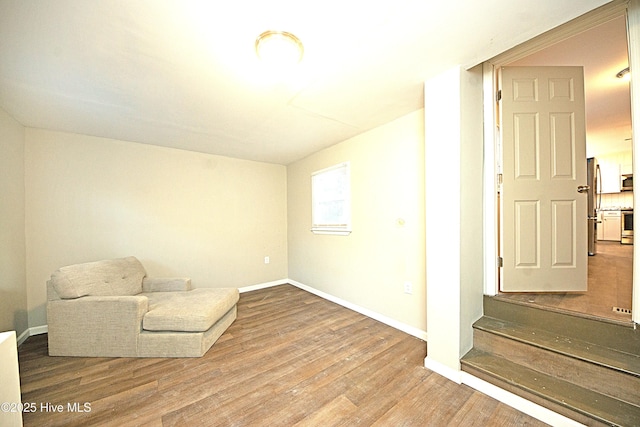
(633, 37)
(492, 167)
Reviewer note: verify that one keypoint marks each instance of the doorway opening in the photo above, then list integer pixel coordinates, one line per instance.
(602, 50)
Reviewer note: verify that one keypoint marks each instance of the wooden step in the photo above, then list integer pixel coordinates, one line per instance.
(622, 337)
(585, 369)
(586, 406)
(605, 370)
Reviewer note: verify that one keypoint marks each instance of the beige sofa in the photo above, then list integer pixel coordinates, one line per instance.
(111, 309)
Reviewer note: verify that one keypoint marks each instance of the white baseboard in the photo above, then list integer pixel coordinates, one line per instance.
(418, 333)
(521, 404)
(23, 337)
(36, 330)
(444, 370)
(263, 285)
(457, 376)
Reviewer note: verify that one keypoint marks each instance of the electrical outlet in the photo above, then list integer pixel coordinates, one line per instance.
(408, 288)
(266, 260)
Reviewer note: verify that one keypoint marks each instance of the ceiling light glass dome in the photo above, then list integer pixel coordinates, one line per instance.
(279, 48)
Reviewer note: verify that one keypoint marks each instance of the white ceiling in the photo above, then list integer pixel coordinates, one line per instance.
(183, 73)
(603, 52)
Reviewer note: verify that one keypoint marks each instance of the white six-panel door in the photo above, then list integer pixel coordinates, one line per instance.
(544, 217)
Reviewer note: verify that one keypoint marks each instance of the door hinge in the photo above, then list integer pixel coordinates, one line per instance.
(499, 95)
(500, 262)
(499, 179)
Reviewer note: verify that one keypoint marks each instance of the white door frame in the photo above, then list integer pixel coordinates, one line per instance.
(491, 136)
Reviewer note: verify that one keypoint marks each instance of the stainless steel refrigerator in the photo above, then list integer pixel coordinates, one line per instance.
(594, 199)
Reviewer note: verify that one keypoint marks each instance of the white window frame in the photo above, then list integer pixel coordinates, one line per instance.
(331, 185)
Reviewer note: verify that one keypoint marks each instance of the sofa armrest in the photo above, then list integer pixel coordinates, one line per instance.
(96, 325)
(166, 284)
(99, 310)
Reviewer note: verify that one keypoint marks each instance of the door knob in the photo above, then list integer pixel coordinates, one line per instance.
(583, 188)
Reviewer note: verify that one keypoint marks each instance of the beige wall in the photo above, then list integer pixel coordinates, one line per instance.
(182, 213)
(369, 267)
(13, 291)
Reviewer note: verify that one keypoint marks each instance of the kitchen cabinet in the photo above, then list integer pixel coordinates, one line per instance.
(626, 163)
(609, 228)
(600, 227)
(612, 166)
(610, 172)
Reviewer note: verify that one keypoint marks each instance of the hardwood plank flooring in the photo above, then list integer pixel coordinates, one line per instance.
(290, 359)
(610, 283)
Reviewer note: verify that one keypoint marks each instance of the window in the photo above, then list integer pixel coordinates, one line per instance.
(331, 200)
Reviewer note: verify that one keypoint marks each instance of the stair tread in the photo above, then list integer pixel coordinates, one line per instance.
(587, 402)
(622, 337)
(594, 353)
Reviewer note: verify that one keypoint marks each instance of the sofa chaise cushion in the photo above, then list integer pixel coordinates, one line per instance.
(194, 311)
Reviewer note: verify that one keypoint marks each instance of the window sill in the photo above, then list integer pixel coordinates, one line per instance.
(331, 232)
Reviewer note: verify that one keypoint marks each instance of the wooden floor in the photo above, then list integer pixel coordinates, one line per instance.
(610, 282)
(291, 358)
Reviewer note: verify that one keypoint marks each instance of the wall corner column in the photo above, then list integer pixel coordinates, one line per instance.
(454, 215)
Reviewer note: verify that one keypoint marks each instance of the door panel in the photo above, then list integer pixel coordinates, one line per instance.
(544, 162)
(527, 233)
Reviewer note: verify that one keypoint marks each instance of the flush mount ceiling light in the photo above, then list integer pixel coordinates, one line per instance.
(279, 48)
(623, 74)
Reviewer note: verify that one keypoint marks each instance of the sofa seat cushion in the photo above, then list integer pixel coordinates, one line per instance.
(192, 311)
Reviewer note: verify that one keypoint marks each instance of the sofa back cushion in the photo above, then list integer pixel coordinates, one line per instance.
(122, 276)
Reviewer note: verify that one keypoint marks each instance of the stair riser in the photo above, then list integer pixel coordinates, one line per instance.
(532, 397)
(623, 338)
(598, 378)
